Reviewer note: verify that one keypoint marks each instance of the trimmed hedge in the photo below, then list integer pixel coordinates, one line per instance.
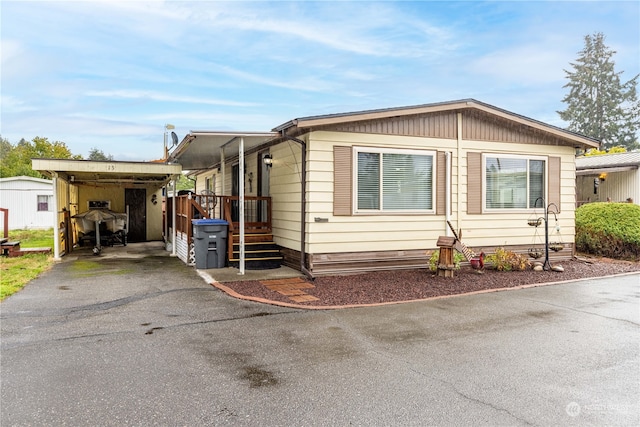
(609, 229)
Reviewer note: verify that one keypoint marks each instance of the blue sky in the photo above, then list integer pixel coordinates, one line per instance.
(110, 75)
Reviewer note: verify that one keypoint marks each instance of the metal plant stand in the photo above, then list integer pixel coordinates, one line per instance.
(547, 210)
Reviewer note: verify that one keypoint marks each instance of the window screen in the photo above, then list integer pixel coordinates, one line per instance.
(395, 181)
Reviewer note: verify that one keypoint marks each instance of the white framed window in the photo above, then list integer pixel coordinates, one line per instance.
(210, 184)
(513, 182)
(393, 180)
(44, 203)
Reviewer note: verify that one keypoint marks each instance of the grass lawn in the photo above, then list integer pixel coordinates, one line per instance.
(17, 272)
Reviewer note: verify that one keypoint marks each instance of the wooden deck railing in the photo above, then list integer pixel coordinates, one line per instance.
(257, 214)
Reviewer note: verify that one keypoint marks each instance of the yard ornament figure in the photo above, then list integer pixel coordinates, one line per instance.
(476, 261)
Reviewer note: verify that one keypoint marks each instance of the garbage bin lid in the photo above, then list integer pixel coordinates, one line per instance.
(209, 222)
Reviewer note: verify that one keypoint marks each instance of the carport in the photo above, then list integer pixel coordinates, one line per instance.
(203, 149)
(134, 188)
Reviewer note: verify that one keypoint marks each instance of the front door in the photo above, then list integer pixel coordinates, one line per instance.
(136, 200)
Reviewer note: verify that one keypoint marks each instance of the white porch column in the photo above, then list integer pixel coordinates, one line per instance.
(241, 201)
(56, 223)
(166, 215)
(174, 233)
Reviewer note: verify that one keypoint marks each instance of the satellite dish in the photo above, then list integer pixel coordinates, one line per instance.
(174, 138)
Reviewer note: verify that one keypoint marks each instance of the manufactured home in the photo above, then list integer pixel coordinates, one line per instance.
(27, 202)
(608, 177)
(370, 190)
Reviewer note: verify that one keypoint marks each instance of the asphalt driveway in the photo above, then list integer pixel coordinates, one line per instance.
(146, 341)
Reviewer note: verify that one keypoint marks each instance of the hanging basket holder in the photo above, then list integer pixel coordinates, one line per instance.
(536, 253)
(556, 246)
(534, 222)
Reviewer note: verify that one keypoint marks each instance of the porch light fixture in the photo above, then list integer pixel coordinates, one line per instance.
(268, 160)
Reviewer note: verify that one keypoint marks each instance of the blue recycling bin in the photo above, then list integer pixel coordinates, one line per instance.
(210, 242)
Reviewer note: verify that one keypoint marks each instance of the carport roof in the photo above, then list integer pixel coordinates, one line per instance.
(107, 172)
(201, 149)
(619, 162)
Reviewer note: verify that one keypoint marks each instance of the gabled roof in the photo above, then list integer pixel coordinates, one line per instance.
(460, 105)
(202, 149)
(618, 162)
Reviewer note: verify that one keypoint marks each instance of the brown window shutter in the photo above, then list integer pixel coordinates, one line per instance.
(554, 181)
(342, 193)
(474, 183)
(441, 183)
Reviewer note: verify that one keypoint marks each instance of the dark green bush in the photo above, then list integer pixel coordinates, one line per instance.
(609, 229)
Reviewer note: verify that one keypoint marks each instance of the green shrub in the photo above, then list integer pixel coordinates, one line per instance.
(504, 260)
(457, 259)
(609, 229)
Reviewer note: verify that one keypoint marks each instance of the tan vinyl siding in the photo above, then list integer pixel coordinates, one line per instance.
(347, 232)
(285, 193)
(506, 228)
(201, 179)
(353, 234)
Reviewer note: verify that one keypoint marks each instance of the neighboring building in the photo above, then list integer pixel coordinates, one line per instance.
(374, 189)
(608, 177)
(29, 201)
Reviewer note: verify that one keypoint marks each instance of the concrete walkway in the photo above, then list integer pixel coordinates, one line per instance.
(144, 340)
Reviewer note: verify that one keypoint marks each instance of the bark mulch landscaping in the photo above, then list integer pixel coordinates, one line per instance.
(407, 285)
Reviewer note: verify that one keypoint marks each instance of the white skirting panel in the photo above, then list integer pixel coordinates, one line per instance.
(184, 249)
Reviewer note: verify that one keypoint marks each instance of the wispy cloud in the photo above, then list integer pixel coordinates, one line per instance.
(155, 96)
(527, 64)
(108, 74)
(11, 104)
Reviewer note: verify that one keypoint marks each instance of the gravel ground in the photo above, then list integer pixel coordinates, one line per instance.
(405, 285)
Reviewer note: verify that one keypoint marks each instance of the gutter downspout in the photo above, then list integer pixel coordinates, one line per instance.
(303, 202)
(459, 170)
(56, 226)
(174, 233)
(166, 216)
(447, 191)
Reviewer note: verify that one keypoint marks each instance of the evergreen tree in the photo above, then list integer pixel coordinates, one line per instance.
(598, 104)
(95, 154)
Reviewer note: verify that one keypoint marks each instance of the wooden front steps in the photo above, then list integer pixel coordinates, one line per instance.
(260, 252)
